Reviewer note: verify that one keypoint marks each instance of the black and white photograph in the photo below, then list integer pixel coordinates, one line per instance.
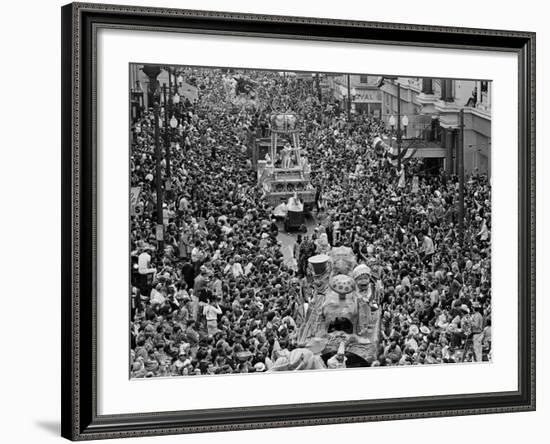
(275, 222)
(285, 221)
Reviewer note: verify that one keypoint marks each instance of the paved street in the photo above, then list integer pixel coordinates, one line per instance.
(289, 239)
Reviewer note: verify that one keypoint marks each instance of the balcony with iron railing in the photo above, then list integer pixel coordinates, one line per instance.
(424, 141)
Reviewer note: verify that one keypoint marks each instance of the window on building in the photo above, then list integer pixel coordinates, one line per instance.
(484, 86)
(364, 79)
(427, 86)
(447, 93)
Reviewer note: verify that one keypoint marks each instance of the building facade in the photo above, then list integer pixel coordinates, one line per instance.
(442, 100)
(366, 97)
(433, 109)
(399, 97)
(140, 93)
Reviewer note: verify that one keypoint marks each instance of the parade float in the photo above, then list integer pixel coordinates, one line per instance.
(283, 169)
(342, 314)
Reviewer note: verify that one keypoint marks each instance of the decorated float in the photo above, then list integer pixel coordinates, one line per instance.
(343, 313)
(282, 166)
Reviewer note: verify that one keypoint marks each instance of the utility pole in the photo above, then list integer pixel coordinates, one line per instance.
(398, 125)
(152, 71)
(318, 81)
(461, 178)
(171, 109)
(166, 125)
(158, 155)
(349, 99)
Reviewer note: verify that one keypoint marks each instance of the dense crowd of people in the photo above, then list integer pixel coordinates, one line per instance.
(215, 293)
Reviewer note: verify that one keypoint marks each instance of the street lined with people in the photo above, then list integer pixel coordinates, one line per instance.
(220, 288)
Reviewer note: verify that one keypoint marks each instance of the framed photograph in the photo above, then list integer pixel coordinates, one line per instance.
(278, 221)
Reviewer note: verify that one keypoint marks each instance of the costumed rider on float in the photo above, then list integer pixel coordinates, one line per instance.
(286, 153)
(294, 203)
(368, 287)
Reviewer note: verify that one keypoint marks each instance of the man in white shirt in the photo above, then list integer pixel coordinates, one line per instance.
(144, 262)
(237, 269)
(427, 248)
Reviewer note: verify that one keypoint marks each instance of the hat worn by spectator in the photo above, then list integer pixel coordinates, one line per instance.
(425, 330)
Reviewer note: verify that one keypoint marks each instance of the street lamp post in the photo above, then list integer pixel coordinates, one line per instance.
(400, 120)
(461, 178)
(399, 139)
(152, 71)
(391, 121)
(171, 112)
(176, 103)
(158, 155)
(405, 123)
(173, 125)
(318, 84)
(176, 100)
(137, 100)
(166, 130)
(176, 108)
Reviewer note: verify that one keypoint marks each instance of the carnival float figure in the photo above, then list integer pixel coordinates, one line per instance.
(307, 357)
(342, 309)
(286, 160)
(367, 286)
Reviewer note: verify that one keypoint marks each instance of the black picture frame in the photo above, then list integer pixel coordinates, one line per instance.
(80, 420)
